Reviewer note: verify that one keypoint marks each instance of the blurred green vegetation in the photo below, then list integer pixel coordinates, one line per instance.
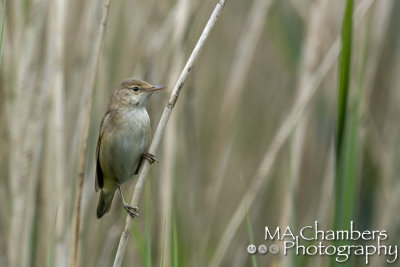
(221, 133)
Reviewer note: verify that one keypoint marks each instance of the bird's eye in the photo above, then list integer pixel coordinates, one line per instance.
(135, 88)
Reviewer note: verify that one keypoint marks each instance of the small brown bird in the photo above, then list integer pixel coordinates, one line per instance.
(123, 141)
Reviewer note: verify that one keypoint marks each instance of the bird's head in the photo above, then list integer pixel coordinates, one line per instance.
(135, 92)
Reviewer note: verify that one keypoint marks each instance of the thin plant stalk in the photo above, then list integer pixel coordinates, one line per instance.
(169, 151)
(163, 247)
(162, 125)
(25, 139)
(344, 185)
(308, 64)
(325, 209)
(344, 84)
(233, 91)
(251, 236)
(88, 104)
(384, 155)
(53, 181)
(2, 28)
(53, 233)
(174, 244)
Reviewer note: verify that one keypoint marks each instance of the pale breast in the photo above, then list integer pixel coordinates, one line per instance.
(124, 141)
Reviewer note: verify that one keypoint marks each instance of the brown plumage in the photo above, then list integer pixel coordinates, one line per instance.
(123, 141)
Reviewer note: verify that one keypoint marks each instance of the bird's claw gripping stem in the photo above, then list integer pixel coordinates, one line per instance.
(132, 211)
(150, 157)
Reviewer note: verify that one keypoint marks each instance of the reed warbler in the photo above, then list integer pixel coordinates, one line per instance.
(124, 138)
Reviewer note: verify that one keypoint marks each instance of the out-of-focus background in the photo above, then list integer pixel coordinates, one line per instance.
(251, 142)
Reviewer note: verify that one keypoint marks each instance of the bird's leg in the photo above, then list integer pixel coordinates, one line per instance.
(132, 211)
(150, 157)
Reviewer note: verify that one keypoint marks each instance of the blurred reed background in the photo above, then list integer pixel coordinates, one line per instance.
(252, 138)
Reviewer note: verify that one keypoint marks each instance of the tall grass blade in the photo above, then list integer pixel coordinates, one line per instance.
(344, 197)
(352, 150)
(251, 237)
(344, 84)
(148, 225)
(163, 245)
(53, 231)
(2, 29)
(175, 244)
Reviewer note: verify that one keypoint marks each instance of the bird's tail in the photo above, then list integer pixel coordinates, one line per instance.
(104, 204)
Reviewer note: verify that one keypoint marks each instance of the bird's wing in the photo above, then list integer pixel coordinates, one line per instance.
(99, 172)
(139, 165)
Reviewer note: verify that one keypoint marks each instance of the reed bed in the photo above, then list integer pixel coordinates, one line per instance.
(289, 116)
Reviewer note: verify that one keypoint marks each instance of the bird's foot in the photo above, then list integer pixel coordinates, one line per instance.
(150, 157)
(132, 211)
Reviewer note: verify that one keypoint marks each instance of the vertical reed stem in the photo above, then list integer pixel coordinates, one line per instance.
(88, 105)
(144, 170)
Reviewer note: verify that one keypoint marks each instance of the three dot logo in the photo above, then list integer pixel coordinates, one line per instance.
(263, 249)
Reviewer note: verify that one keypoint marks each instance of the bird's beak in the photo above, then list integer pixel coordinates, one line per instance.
(157, 87)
